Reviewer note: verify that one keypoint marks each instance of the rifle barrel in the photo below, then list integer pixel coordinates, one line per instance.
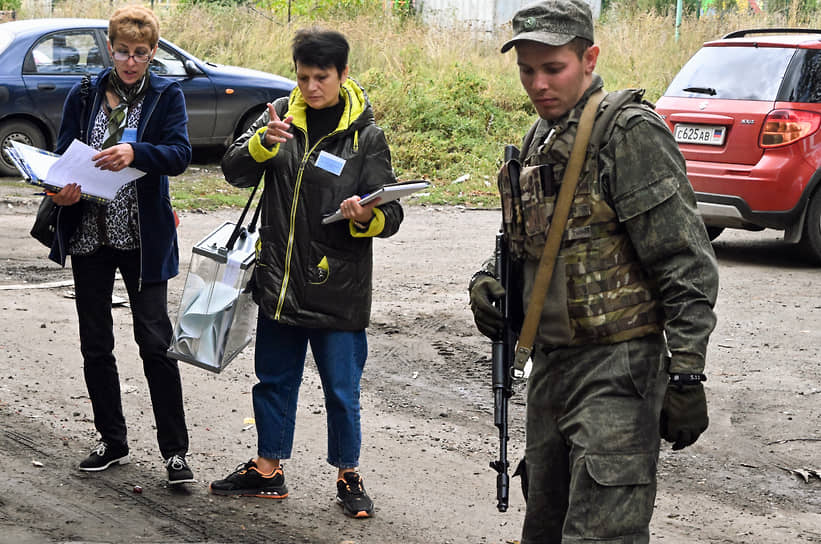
(502, 491)
(502, 358)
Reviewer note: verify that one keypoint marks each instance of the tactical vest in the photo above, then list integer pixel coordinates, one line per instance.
(607, 294)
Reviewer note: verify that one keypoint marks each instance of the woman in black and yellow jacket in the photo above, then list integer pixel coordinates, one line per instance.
(319, 151)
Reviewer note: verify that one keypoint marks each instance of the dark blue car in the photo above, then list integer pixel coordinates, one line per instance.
(40, 60)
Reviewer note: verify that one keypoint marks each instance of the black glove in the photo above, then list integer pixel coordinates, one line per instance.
(684, 414)
(484, 291)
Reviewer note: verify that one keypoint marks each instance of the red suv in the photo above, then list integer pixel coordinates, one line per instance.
(746, 111)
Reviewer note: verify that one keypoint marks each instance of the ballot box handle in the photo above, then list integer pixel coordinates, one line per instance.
(238, 227)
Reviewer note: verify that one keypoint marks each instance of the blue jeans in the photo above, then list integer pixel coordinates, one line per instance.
(279, 361)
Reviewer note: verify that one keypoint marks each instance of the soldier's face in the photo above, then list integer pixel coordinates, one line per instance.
(554, 77)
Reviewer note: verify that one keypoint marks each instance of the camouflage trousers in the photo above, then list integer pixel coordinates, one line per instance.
(593, 442)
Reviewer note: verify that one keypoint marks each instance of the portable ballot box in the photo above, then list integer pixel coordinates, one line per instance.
(216, 317)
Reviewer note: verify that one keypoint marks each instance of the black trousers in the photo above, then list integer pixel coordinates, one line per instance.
(93, 286)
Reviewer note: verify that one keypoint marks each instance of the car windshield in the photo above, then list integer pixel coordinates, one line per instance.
(6, 38)
(735, 73)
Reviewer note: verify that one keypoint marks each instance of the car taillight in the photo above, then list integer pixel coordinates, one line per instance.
(782, 127)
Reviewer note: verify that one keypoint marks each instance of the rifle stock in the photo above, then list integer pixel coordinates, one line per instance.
(503, 348)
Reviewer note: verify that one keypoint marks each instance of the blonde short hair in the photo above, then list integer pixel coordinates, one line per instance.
(134, 24)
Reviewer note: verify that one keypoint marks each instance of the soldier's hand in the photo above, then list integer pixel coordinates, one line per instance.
(684, 415)
(488, 318)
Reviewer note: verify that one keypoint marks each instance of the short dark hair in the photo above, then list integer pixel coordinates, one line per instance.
(321, 48)
(579, 46)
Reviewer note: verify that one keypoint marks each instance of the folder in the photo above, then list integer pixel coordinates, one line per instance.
(53, 172)
(386, 193)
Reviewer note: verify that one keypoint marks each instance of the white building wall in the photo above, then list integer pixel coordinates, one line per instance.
(481, 15)
(37, 8)
(478, 14)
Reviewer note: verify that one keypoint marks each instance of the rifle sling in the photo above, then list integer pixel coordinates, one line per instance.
(555, 231)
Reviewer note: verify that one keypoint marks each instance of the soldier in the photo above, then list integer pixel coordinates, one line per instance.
(622, 333)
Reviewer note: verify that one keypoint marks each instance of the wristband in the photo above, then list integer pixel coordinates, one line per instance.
(363, 226)
(479, 274)
(262, 140)
(680, 380)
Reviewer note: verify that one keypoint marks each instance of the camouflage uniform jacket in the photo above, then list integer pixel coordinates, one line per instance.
(641, 174)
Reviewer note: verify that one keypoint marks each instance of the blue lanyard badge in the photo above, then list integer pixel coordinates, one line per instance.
(129, 135)
(330, 163)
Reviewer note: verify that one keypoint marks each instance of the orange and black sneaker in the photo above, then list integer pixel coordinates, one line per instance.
(248, 481)
(350, 494)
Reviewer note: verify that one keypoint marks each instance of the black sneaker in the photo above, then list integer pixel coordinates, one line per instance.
(178, 470)
(103, 456)
(350, 494)
(248, 481)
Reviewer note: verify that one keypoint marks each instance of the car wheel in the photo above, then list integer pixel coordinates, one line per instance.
(248, 120)
(18, 131)
(714, 232)
(811, 237)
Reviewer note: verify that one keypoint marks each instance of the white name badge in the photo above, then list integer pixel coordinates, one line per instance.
(330, 163)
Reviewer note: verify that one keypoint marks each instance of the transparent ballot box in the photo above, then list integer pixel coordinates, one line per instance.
(216, 317)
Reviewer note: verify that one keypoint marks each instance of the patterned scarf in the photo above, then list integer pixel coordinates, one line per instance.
(118, 118)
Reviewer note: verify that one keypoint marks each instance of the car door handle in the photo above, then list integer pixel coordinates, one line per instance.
(46, 86)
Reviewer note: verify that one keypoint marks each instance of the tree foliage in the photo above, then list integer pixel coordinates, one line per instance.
(10, 5)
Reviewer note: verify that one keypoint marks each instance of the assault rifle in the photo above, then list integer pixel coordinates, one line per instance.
(504, 346)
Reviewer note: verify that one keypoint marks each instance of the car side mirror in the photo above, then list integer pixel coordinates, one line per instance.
(191, 68)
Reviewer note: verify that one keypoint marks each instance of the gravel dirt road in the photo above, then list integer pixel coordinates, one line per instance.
(428, 433)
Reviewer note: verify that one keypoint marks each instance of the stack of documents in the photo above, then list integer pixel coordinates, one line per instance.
(53, 172)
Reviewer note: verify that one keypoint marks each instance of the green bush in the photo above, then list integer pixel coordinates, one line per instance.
(10, 5)
(320, 9)
(662, 7)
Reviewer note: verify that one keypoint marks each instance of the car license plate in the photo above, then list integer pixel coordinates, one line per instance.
(700, 134)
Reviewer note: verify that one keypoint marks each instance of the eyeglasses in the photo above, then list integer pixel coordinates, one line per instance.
(123, 56)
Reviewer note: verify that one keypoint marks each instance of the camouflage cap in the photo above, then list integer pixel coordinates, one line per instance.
(552, 22)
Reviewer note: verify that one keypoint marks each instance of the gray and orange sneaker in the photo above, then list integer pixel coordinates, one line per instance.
(248, 481)
(350, 494)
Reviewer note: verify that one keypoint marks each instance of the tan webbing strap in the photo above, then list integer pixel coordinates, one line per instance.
(556, 230)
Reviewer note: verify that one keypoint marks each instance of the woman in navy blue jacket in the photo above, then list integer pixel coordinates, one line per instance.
(136, 119)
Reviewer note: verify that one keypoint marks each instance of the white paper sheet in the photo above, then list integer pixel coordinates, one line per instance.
(74, 166)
